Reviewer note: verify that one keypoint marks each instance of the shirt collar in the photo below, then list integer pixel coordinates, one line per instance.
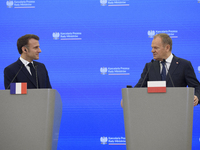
(25, 62)
(169, 59)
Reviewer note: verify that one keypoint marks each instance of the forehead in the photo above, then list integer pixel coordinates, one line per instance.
(157, 41)
(33, 42)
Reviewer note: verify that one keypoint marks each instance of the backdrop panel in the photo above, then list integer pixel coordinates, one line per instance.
(92, 49)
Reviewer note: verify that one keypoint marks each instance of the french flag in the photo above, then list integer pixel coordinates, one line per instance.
(18, 88)
(156, 86)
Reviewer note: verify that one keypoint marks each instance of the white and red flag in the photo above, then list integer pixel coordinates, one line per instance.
(156, 86)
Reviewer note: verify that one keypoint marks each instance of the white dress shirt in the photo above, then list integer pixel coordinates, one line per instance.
(25, 62)
(168, 63)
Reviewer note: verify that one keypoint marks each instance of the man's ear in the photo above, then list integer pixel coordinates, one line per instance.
(24, 49)
(167, 47)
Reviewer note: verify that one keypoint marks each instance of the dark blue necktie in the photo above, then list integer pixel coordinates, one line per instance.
(163, 73)
(32, 71)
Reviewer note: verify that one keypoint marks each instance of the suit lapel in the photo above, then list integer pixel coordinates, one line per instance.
(36, 71)
(172, 67)
(157, 70)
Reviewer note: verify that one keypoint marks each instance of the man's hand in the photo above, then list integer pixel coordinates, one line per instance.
(196, 100)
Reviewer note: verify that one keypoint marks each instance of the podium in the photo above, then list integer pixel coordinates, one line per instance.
(31, 121)
(158, 121)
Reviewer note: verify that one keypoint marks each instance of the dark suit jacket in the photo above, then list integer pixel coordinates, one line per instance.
(24, 76)
(181, 71)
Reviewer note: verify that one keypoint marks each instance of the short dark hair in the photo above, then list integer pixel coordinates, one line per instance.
(166, 39)
(23, 41)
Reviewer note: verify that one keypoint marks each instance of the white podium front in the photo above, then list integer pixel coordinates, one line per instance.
(158, 121)
(30, 122)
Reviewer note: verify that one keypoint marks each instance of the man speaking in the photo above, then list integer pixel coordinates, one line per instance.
(25, 69)
(177, 72)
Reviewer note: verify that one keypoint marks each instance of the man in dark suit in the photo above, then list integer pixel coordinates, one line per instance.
(178, 72)
(25, 69)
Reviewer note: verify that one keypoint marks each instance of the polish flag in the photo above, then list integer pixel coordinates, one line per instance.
(18, 88)
(156, 86)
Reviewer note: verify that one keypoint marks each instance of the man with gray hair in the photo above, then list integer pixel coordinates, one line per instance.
(166, 65)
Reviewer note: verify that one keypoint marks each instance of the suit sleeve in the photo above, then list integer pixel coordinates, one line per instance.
(143, 80)
(192, 80)
(8, 76)
(48, 84)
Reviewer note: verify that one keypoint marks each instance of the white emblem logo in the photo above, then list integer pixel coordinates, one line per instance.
(103, 2)
(56, 35)
(9, 4)
(199, 69)
(103, 70)
(151, 33)
(103, 140)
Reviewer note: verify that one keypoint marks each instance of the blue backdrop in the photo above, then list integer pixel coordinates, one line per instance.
(94, 48)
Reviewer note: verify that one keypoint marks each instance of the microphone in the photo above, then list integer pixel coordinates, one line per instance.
(147, 73)
(36, 76)
(15, 76)
(129, 86)
(169, 73)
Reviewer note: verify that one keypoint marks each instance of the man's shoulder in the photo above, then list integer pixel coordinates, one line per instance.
(181, 60)
(152, 62)
(38, 63)
(16, 64)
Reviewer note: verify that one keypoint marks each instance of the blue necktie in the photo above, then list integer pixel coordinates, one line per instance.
(163, 73)
(32, 71)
